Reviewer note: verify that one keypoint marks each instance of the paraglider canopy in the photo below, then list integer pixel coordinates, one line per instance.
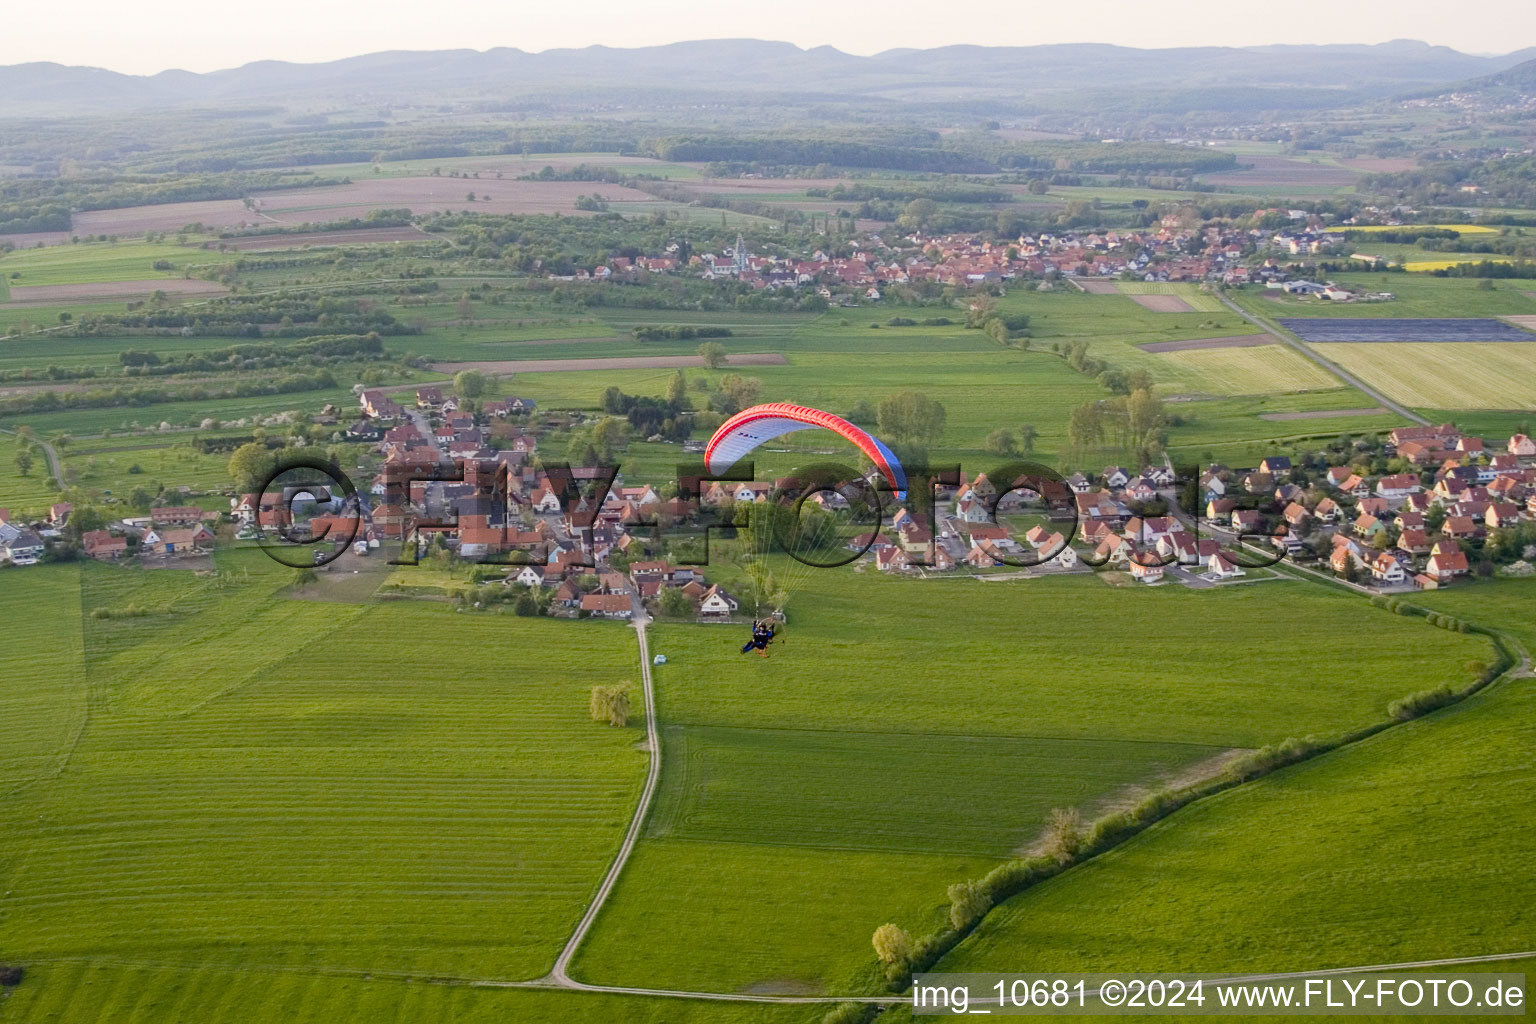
(749, 428)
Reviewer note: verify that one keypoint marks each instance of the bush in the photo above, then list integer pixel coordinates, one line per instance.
(10, 975)
(968, 903)
(1267, 759)
(1064, 835)
(1421, 703)
(128, 611)
(851, 1013)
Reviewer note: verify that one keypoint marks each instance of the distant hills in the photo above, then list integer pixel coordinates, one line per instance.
(711, 70)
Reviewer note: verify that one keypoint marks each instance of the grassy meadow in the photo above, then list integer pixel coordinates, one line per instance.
(102, 993)
(1311, 866)
(269, 784)
(103, 261)
(833, 767)
(28, 495)
(1416, 295)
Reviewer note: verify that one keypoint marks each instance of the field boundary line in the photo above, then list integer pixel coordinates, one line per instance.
(558, 974)
(1328, 364)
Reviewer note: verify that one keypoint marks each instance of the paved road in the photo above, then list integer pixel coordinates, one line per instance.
(558, 975)
(1327, 364)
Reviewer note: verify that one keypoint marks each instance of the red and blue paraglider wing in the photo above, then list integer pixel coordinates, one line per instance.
(748, 429)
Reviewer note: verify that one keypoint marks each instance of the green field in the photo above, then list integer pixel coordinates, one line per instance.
(1411, 845)
(42, 700)
(1417, 295)
(1232, 430)
(127, 463)
(267, 784)
(24, 495)
(108, 994)
(1247, 370)
(1463, 375)
(834, 767)
(104, 262)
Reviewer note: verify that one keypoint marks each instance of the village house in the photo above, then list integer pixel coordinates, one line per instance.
(607, 606)
(1502, 515)
(22, 547)
(1223, 568)
(176, 515)
(1460, 527)
(1398, 485)
(1446, 563)
(717, 604)
(1368, 526)
(1386, 570)
(187, 540)
(103, 545)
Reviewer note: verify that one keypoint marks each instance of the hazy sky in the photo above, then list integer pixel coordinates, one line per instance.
(145, 36)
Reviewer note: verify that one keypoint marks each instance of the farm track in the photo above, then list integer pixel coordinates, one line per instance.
(558, 975)
(50, 455)
(1327, 364)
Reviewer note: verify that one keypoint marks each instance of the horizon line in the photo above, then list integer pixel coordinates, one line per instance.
(754, 39)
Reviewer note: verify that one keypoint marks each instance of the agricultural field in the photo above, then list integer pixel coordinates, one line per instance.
(66, 293)
(434, 194)
(1247, 369)
(1465, 229)
(1307, 868)
(785, 781)
(102, 262)
(1123, 335)
(119, 466)
(212, 214)
(1390, 329)
(263, 785)
(1190, 295)
(101, 993)
(43, 699)
(1276, 175)
(1477, 375)
(1416, 295)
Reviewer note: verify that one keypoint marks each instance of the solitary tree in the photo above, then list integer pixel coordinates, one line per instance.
(892, 945)
(911, 416)
(250, 465)
(1027, 436)
(713, 354)
(611, 704)
(24, 461)
(469, 383)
